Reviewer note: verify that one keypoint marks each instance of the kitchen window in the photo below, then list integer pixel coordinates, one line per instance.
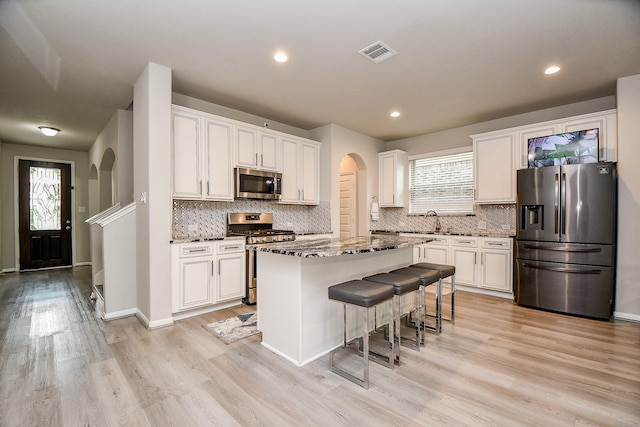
(441, 181)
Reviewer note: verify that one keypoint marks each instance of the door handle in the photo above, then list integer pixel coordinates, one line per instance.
(67, 221)
(68, 227)
(556, 213)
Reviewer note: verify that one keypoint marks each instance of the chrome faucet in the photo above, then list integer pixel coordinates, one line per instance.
(434, 213)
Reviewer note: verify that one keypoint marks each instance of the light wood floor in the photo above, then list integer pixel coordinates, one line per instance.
(500, 364)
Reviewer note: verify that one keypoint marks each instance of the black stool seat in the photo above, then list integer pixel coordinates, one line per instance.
(445, 270)
(426, 276)
(401, 283)
(361, 293)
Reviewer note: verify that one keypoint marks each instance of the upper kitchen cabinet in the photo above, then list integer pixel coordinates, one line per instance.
(300, 171)
(494, 171)
(201, 156)
(497, 155)
(391, 178)
(256, 149)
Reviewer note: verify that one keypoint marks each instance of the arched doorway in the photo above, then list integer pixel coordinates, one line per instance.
(105, 179)
(353, 190)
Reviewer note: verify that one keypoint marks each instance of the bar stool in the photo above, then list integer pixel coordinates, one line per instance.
(360, 293)
(427, 278)
(402, 284)
(445, 271)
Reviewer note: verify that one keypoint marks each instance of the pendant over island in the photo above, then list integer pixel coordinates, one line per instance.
(295, 315)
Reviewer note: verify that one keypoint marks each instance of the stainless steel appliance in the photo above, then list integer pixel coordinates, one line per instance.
(256, 184)
(566, 238)
(257, 228)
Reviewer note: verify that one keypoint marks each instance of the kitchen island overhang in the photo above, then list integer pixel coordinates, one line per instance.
(295, 316)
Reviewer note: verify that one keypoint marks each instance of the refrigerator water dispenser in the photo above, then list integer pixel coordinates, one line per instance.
(532, 217)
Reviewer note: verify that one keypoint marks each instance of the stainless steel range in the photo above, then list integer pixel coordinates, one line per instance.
(257, 228)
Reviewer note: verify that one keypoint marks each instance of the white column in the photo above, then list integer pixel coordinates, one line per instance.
(152, 192)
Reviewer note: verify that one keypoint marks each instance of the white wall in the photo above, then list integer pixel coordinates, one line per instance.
(338, 142)
(628, 271)
(152, 150)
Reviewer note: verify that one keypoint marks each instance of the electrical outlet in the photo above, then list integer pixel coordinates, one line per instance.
(482, 225)
(401, 223)
(289, 224)
(193, 227)
(506, 227)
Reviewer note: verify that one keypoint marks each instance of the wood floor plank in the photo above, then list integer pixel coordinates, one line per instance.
(500, 364)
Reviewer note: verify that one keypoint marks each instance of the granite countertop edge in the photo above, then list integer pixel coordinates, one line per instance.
(474, 234)
(205, 239)
(323, 248)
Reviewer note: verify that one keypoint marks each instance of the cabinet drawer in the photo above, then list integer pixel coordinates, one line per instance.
(496, 244)
(438, 241)
(469, 242)
(189, 250)
(230, 247)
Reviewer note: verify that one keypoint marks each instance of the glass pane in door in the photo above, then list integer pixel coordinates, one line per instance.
(45, 199)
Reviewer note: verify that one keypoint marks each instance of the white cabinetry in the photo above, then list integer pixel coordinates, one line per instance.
(483, 264)
(494, 178)
(201, 156)
(391, 178)
(300, 171)
(206, 274)
(497, 155)
(231, 271)
(257, 149)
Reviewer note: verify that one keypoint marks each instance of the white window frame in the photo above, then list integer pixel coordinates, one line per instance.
(462, 207)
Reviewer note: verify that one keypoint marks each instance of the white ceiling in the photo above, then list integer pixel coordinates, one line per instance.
(71, 63)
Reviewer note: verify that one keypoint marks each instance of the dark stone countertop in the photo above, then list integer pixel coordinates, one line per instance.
(313, 248)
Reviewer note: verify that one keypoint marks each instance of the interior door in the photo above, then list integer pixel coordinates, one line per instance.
(348, 205)
(44, 214)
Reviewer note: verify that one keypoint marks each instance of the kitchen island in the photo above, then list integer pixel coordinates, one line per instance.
(295, 316)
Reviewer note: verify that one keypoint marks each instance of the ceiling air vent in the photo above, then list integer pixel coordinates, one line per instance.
(378, 52)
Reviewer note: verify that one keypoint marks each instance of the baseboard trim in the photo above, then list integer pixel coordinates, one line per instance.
(626, 316)
(82, 264)
(156, 323)
(119, 314)
(9, 270)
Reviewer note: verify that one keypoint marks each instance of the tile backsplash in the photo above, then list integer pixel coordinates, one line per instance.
(493, 216)
(211, 217)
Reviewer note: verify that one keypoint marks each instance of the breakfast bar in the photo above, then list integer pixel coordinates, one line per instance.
(295, 316)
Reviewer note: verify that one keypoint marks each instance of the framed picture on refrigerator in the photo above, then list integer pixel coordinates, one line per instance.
(564, 149)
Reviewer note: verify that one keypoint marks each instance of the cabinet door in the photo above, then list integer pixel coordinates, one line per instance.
(309, 173)
(268, 152)
(528, 132)
(195, 283)
(186, 156)
(219, 167)
(496, 271)
(436, 254)
(231, 277)
(290, 190)
(246, 148)
(606, 125)
(465, 260)
(387, 189)
(494, 169)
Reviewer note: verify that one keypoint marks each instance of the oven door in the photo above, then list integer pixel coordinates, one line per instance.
(255, 184)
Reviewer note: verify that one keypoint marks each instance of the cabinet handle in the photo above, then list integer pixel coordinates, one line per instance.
(475, 258)
(200, 184)
(468, 242)
(256, 159)
(208, 188)
(493, 244)
(218, 267)
(302, 198)
(212, 272)
(482, 258)
(261, 160)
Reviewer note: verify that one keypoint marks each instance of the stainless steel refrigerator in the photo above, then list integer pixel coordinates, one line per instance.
(566, 238)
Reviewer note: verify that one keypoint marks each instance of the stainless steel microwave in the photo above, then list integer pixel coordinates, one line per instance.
(256, 184)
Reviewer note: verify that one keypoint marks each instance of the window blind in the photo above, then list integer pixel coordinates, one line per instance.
(441, 183)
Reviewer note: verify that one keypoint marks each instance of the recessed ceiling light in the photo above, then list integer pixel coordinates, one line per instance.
(395, 114)
(48, 131)
(552, 70)
(280, 57)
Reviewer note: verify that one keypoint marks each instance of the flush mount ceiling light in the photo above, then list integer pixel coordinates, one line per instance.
(48, 131)
(280, 57)
(552, 70)
(395, 114)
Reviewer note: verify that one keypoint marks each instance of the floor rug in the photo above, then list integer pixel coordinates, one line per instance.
(234, 328)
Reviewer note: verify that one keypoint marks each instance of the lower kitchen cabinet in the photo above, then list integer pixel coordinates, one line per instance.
(483, 264)
(207, 273)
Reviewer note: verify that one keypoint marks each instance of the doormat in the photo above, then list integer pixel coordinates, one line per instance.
(234, 328)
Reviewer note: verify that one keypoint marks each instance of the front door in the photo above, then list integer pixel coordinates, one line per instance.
(45, 214)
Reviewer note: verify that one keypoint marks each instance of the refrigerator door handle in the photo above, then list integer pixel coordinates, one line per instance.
(563, 204)
(556, 213)
(562, 249)
(565, 269)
